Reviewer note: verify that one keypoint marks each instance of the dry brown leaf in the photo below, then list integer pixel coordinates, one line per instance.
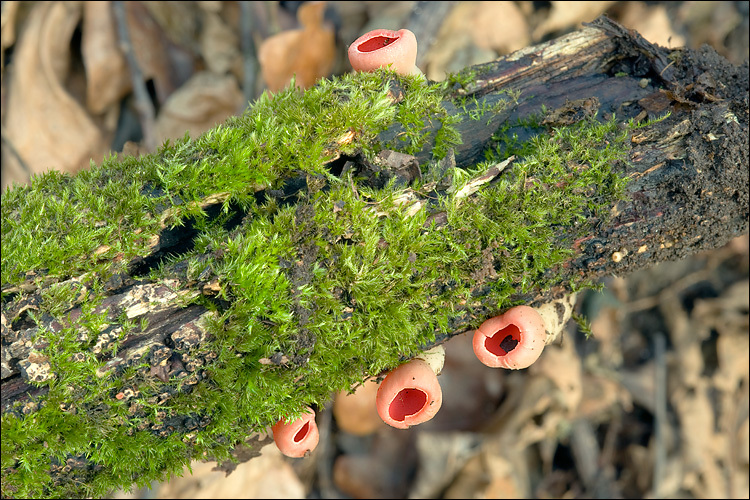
(639, 465)
(500, 26)
(455, 45)
(7, 29)
(383, 471)
(441, 456)
(506, 468)
(471, 479)
(356, 413)
(108, 77)
(180, 21)
(734, 356)
(726, 314)
(530, 413)
(355, 15)
(504, 478)
(652, 22)
(219, 45)
(670, 481)
(701, 447)
(265, 476)
(205, 100)
(44, 123)
(560, 364)
(308, 52)
(498, 471)
(709, 22)
(606, 329)
(600, 395)
(565, 15)
(740, 478)
(640, 384)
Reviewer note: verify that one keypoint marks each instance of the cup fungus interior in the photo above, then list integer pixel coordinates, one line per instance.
(302, 433)
(375, 43)
(407, 402)
(503, 341)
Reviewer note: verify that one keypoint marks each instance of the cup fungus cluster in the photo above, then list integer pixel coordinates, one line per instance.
(411, 394)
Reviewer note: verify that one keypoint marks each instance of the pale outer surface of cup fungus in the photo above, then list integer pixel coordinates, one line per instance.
(296, 439)
(409, 395)
(556, 314)
(380, 48)
(512, 340)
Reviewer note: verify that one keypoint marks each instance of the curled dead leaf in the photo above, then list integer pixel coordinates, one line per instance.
(308, 53)
(46, 125)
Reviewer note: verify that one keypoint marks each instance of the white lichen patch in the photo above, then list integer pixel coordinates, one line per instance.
(192, 333)
(5, 366)
(106, 340)
(36, 368)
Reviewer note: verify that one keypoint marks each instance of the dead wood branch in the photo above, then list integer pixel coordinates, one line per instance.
(688, 193)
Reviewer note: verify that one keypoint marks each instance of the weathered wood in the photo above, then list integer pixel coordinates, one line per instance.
(688, 190)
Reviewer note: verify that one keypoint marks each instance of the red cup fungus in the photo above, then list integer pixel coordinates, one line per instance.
(513, 340)
(297, 439)
(411, 394)
(382, 48)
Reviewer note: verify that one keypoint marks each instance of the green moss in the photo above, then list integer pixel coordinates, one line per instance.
(338, 287)
(584, 325)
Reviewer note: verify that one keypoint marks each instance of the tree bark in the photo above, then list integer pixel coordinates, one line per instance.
(688, 193)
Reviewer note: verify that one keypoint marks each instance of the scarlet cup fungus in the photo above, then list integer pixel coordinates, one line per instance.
(513, 340)
(382, 48)
(411, 394)
(296, 439)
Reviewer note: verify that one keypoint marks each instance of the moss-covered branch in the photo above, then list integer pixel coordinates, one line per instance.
(163, 308)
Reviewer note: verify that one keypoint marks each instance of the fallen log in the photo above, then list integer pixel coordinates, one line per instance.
(162, 309)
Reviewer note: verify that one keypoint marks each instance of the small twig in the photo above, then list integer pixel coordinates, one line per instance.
(585, 452)
(425, 21)
(143, 104)
(673, 289)
(661, 73)
(607, 487)
(707, 273)
(272, 10)
(250, 61)
(660, 412)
